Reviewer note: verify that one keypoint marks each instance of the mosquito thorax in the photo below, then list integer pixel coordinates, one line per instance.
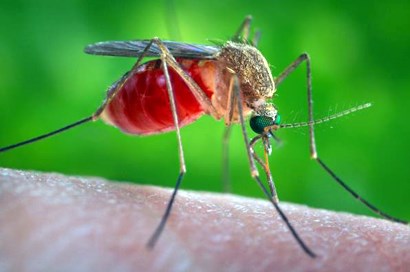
(263, 117)
(252, 69)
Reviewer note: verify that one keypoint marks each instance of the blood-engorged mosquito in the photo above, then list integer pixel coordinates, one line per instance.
(229, 81)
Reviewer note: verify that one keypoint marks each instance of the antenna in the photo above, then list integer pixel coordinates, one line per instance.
(327, 118)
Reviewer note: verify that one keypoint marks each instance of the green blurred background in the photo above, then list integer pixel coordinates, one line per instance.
(359, 52)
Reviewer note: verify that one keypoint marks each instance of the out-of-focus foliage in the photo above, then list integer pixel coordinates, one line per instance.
(359, 54)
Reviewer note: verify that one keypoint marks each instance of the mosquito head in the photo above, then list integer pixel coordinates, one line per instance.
(264, 116)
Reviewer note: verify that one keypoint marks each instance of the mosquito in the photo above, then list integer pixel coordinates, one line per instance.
(230, 81)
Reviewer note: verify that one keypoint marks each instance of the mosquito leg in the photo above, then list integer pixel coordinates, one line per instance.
(154, 238)
(313, 151)
(232, 101)
(227, 187)
(255, 174)
(168, 60)
(230, 108)
(288, 70)
(234, 90)
(357, 196)
(242, 34)
(256, 38)
(265, 166)
(46, 135)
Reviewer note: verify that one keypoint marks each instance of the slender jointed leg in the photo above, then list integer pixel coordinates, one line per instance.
(242, 34)
(255, 174)
(265, 164)
(154, 238)
(46, 135)
(227, 187)
(230, 108)
(278, 80)
(256, 38)
(313, 151)
(169, 60)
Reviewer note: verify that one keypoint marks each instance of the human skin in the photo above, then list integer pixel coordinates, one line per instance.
(51, 222)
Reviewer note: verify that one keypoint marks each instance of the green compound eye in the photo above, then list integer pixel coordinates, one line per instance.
(277, 120)
(258, 123)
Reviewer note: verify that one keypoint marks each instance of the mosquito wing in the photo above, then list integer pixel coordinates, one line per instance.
(136, 47)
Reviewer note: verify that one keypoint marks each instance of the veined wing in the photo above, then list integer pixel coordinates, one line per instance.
(136, 47)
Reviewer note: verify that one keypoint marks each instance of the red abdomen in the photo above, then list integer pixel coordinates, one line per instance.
(142, 104)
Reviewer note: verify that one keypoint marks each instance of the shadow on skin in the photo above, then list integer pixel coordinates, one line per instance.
(51, 222)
